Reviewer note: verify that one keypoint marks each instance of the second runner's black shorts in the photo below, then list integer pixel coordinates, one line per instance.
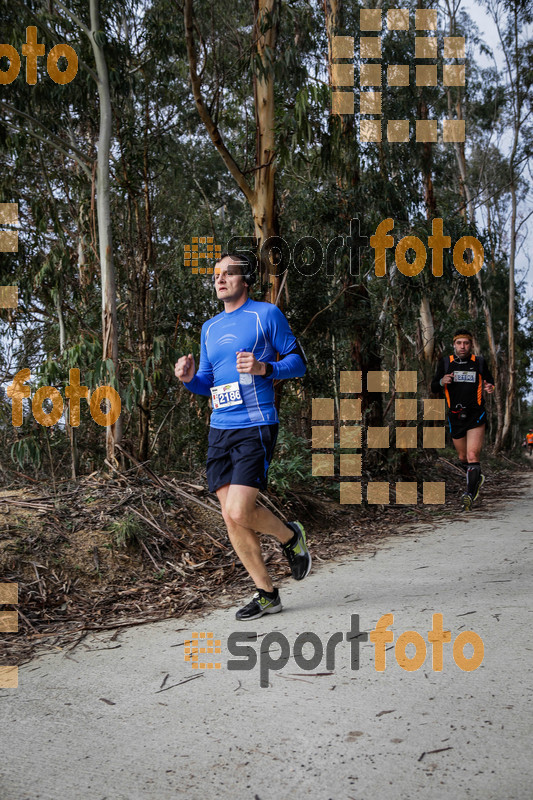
(458, 427)
(240, 456)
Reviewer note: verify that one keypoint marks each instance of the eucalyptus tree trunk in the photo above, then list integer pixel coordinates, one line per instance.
(427, 334)
(264, 206)
(511, 349)
(262, 196)
(426, 322)
(517, 79)
(469, 214)
(71, 432)
(365, 342)
(518, 95)
(103, 211)
(145, 405)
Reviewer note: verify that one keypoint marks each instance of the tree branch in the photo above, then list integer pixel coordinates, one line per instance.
(56, 146)
(205, 116)
(60, 142)
(76, 20)
(524, 220)
(326, 308)
(53, 36)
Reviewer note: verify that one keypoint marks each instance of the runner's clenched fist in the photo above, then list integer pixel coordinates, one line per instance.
(184, 368)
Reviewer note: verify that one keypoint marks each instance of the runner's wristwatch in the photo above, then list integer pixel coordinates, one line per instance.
(269, 369)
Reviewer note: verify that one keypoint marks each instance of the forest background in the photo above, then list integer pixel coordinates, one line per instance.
(202, 119)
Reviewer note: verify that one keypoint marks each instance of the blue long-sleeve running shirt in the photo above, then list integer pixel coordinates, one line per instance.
(258, 328)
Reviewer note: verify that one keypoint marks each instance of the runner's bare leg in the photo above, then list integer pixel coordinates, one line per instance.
(474, 443)
(243, 518)
(469, 447)
(460, 447)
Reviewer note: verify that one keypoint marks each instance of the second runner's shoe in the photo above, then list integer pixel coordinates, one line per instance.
(297, 553)
(467, 501)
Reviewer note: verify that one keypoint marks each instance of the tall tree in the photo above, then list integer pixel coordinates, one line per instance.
(103, 205)
(260, 195)
(511, 18)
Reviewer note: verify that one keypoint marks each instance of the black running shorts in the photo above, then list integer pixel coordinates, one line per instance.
(240, 456)
(473, 419)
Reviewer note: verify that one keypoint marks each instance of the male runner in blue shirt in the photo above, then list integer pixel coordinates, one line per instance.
(237, 367)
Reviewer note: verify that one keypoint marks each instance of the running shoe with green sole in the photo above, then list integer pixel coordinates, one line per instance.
(259, 605)
(467, 501)
(298, 554)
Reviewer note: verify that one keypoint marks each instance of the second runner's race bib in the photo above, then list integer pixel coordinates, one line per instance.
(226, 395)
(461, 377)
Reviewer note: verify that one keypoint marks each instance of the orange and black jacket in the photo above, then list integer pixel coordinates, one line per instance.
(466, 389)
(529, 438)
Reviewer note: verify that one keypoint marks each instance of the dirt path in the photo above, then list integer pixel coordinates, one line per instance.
(123, 716)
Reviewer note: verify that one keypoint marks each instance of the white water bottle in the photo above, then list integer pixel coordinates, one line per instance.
(249, 396)
(245, 379)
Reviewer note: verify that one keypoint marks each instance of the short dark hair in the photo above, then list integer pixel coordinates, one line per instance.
(462, 332)
(248, 268)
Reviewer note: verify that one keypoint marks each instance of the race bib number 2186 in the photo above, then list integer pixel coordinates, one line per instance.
(226, 396)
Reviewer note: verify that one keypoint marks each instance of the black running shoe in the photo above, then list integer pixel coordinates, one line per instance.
(260, 604)
(297, 554)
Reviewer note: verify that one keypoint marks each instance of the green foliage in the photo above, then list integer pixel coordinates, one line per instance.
(26, 451)
(127, 531)
(291, 465)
